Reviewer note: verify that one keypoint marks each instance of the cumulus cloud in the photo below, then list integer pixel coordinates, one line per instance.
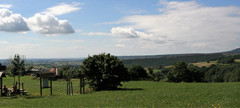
(124, 32)
(191, 24)
(49, 25)
(5, 6)
(129, 32)
(11, 22)
(62, 8)
(43, 23)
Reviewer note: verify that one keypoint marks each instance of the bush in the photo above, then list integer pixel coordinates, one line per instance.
(180, 73)
(137, 72)
(104, 71)
(226, 60)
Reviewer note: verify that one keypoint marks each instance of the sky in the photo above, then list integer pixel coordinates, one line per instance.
(78, 28)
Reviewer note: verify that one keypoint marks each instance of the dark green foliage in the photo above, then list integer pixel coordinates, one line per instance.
(67, 72)
(197, 75)
(180, 73)
(171, 59)
(104, 71)
(137, 72)
(150, 70)
(17, 65)
(183, 72)
(226, 60)
(158, 76)
(223, 73)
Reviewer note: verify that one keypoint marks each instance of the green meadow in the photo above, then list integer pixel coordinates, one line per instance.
(132, 94)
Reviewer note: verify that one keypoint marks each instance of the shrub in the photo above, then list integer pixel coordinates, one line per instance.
(137, 72)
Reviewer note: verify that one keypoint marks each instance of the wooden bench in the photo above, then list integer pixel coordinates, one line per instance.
(23, 92)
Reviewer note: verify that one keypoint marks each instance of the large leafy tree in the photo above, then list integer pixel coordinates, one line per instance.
(104, 71)
(17, 66)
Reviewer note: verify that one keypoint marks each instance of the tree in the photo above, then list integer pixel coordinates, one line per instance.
(196, 74)
(17, 66)
(137, 72)
(180, 73)
(226, 60)
(104, 71)
(150, 70)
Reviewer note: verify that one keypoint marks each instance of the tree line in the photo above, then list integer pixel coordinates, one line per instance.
(226, 70)
(106, 71)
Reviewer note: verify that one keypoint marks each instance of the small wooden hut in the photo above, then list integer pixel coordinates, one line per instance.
(45, 77)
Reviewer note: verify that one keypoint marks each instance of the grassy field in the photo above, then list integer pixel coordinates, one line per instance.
(201, 64)
(139, 94)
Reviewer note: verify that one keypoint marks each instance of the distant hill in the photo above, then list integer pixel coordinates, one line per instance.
(237, 50)
(144, 60)
(172, 59)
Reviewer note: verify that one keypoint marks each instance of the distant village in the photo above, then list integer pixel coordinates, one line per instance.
(32, 72)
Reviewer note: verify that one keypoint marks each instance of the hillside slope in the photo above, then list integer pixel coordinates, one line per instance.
(170, 60)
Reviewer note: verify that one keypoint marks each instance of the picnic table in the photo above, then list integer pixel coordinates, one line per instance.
(19, 91)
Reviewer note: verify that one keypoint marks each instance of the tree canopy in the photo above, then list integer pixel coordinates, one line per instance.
(104, 71)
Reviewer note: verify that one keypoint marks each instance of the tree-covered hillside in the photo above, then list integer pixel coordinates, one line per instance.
(170, 60)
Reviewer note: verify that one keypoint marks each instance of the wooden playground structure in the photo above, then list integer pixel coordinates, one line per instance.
(45, 82)
(15, 90)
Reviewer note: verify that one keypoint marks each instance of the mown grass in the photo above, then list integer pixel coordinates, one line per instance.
(135, 94)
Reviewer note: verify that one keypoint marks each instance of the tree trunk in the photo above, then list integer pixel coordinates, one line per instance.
(19, 81)
(14, 80)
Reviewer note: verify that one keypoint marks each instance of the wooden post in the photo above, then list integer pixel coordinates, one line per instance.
(19, 82)
(22, 86)
(51, 86)
(80, 85)
(1, 85)
(41, 86)
(67, 88)
(72, 88)
(83, 86)
(22, 89)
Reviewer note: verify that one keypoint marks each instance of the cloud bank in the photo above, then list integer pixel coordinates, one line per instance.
(186, 25)
(49, 25)
(44, 23)
(10, 22)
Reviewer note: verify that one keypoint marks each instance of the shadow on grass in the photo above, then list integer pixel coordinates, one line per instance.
(9, 97)
(123, 89)
(33, 97)
(29, 96)
(129, 89)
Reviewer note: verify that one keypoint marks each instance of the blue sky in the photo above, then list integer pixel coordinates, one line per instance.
(78, 28)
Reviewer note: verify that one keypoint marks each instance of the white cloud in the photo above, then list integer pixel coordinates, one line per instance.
(3, 42)
(5, 6)
(62, 8)
(49, 25)
(188, 25)
(11, 22)
(97, 34)
(120, 45)
(124, 32)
